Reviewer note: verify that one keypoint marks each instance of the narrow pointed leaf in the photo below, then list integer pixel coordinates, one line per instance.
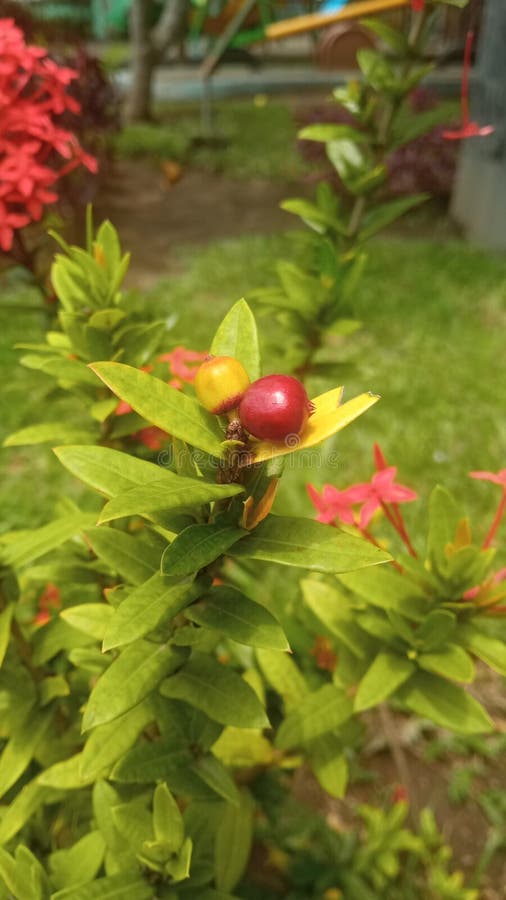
(329, 764)
(130, 678)
(112, 887)
(319, 713)
(162, 405)
(218, 691)
(109, 471)
(234, 838)
(237, 337)
(308, 545)
(122, 552)
(451, 661)
(236, 616)
(5, 630)
(108, 743)
(146, 607)
(445, 704)
(167, 819)
(32, 545)
(197, 546)
(90, 618)
(171, 493)
(18, 752)
(385, 674)
(489, 649)
(53, 432)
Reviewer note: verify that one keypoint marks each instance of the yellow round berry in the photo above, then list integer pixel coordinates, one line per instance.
(220, 383)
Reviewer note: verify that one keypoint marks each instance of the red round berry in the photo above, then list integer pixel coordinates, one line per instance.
(274, 407)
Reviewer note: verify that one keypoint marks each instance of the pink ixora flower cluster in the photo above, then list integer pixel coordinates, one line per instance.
(381, 492)
(34, 151)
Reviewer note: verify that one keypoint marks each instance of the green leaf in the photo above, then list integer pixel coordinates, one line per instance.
(52, 687)
(213, 773)
(34, 544)
(197, 546)
(303, 292)
(282, 674)
(20, 749)
(53, 638)
(451, 661)
(388, 589)
(109, 471)
(167, 819)
(147, 606)
(319, 713)
(5, 630)
(436, 629)
(64, 775)
(109, 743)
(163, 406)
(231, 613)
(445, 704)
(122, 552)
(308, 545)
(54, 432)
(130, 678)
(386, 213)
(218, 691)
(157, 760)
(333, 609)
(64, 370)
(113, 887)
(328, 132)
(22, 808)
(377, 71)
(318, 219)
(90, 618)
(444, 516)
(385, 674)
(78, 864)
(234, 838)
(393, 38)
(237, 337)
(489, 649)
(329, 765)
(347, 159)
(171, 493)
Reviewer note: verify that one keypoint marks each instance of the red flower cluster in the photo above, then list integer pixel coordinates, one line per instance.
(34, 151)
(334, 505)
(48, 600)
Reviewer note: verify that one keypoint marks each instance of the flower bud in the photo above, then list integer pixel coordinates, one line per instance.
(220, 383)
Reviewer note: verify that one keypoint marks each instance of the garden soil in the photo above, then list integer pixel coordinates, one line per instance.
(157, 216)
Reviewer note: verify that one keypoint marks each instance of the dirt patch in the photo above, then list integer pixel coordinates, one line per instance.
(155, 217)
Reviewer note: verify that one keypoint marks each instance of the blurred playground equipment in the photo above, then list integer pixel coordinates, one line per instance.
(217, 28)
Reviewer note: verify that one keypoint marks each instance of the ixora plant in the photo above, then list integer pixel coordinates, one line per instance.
(35, 150)
(313, 298)
(134, 708)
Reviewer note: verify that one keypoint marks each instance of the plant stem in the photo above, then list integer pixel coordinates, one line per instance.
(391, 733)
(501, 509)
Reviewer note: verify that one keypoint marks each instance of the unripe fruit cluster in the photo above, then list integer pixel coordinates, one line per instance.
(271, 408)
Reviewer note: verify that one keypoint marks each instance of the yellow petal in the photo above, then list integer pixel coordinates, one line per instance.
(253, 515)
(327, 419)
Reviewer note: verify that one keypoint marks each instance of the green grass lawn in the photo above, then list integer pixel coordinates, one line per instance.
(432, 346)
(248, 139)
